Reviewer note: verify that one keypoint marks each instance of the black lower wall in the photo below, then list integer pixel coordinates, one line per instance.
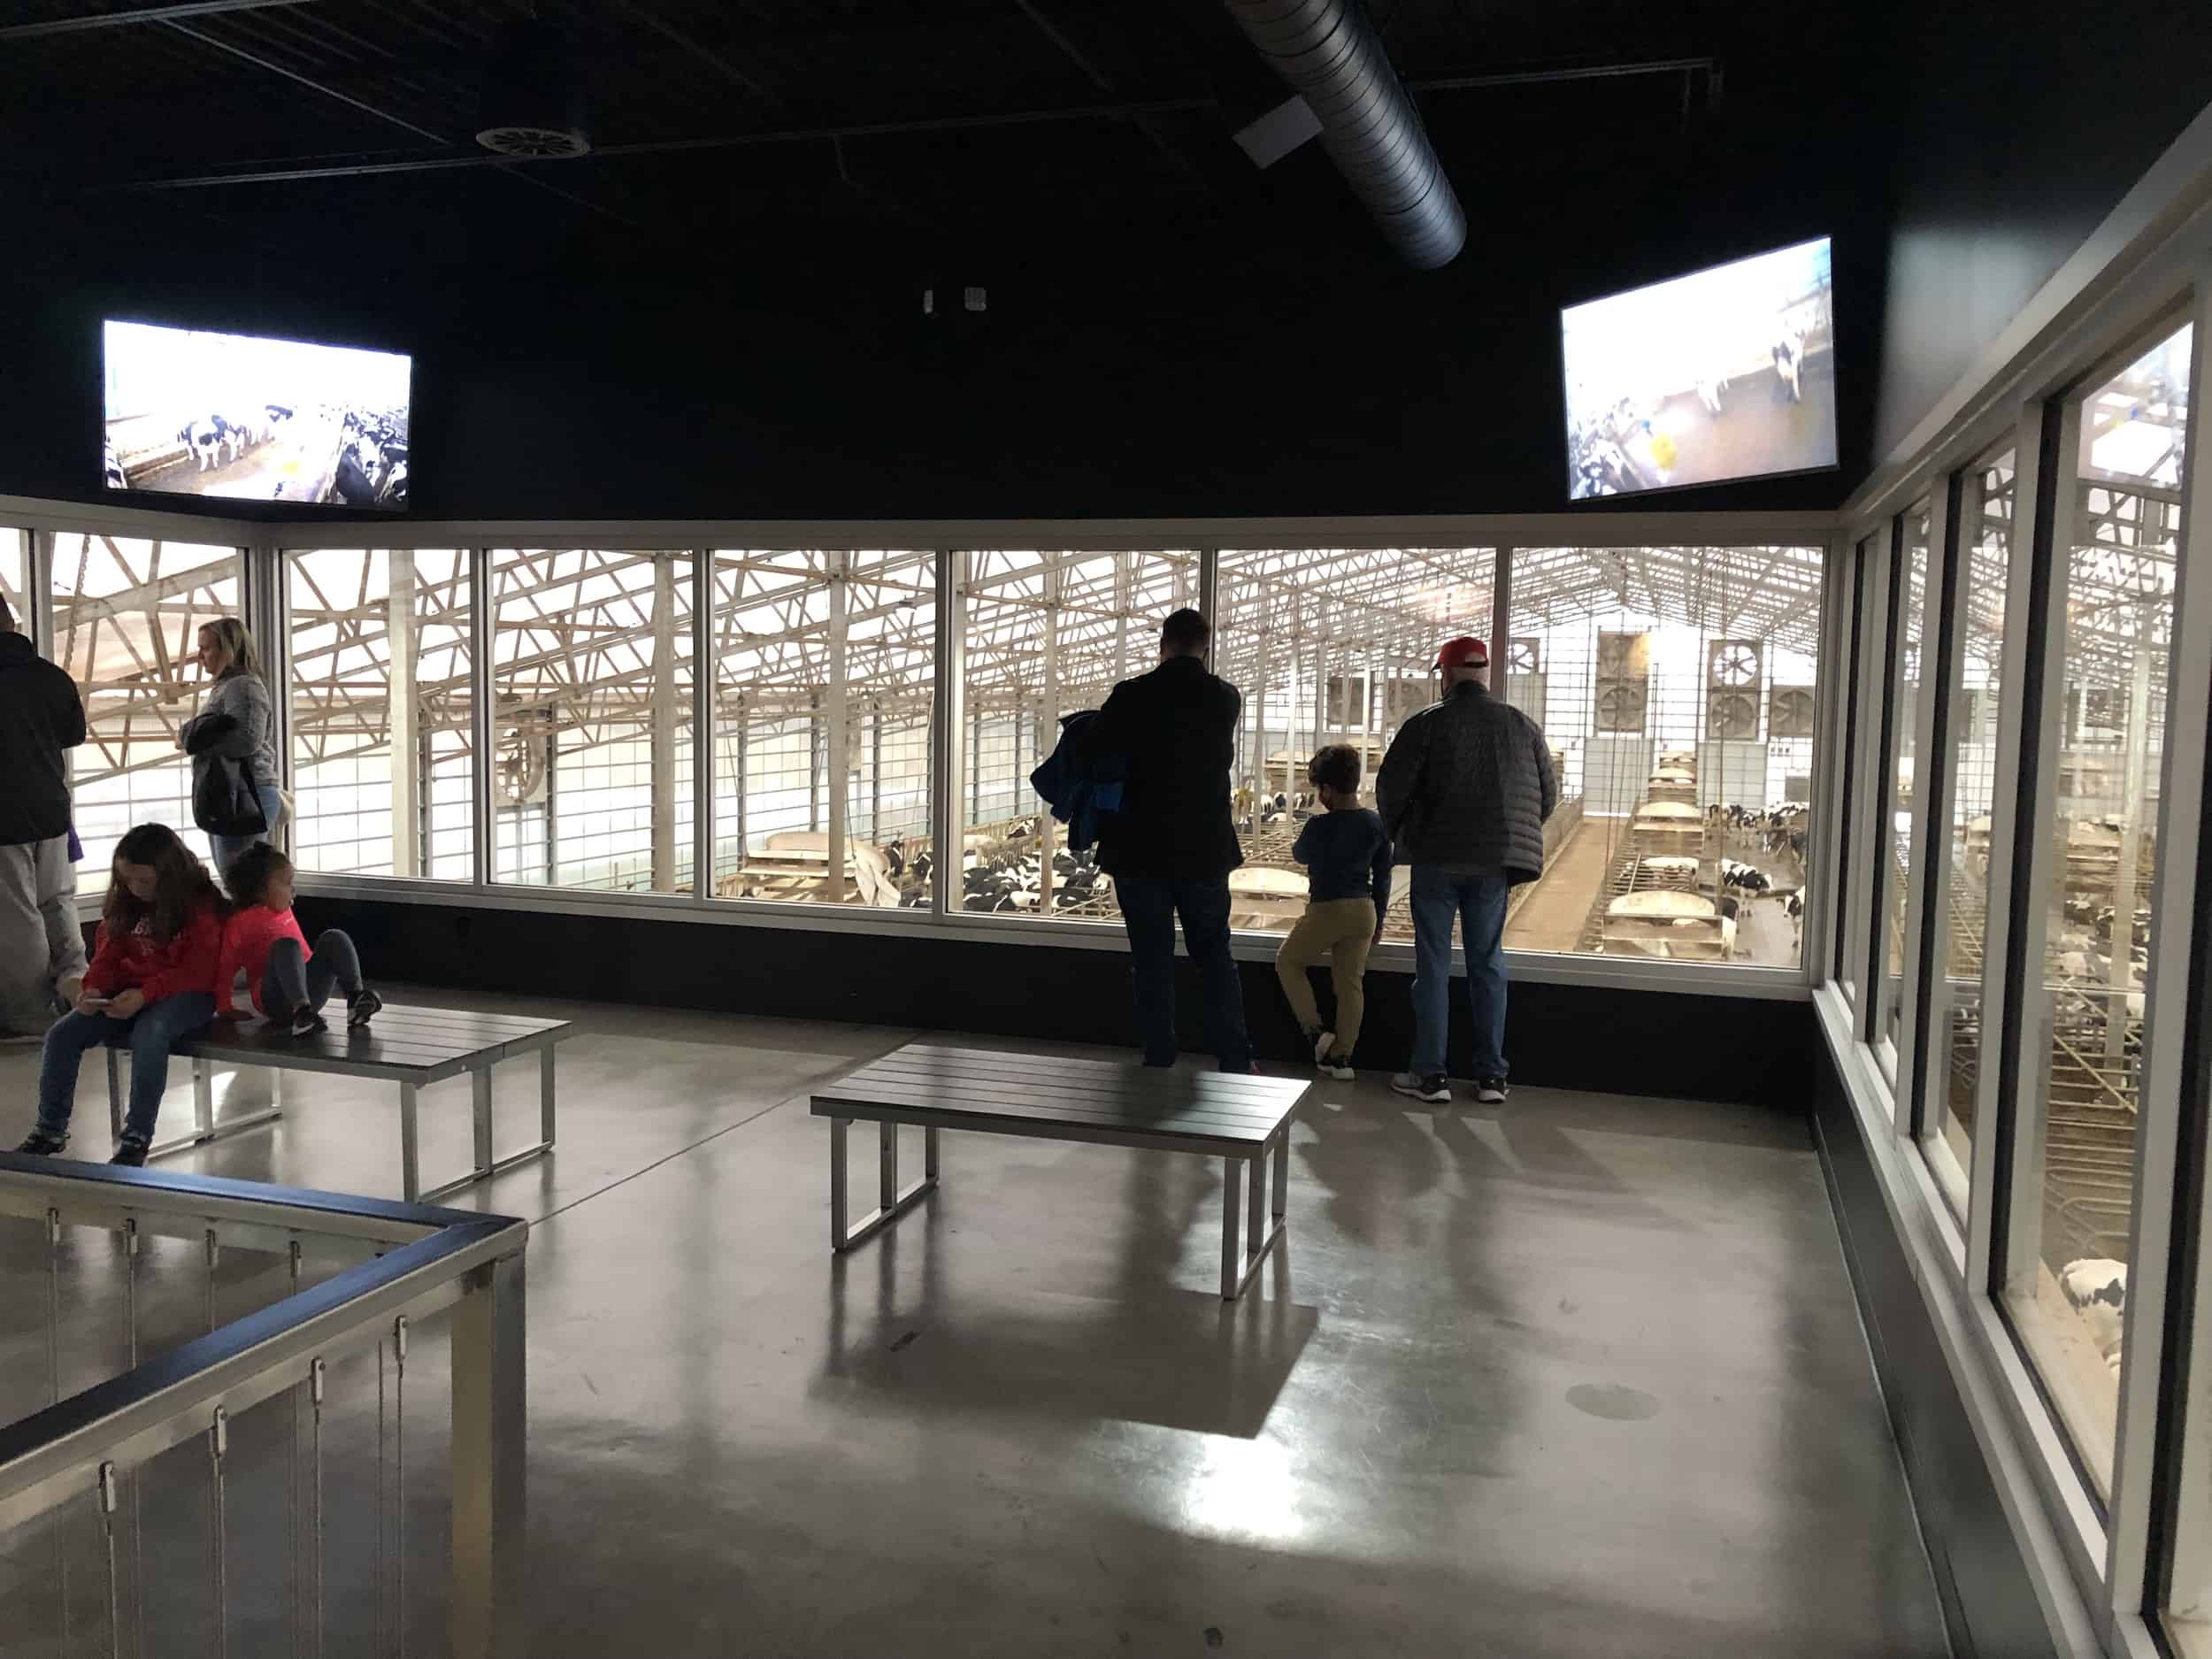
(1988, 1597)
(1635, 1043)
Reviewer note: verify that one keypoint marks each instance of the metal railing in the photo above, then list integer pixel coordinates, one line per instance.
(76, 1472)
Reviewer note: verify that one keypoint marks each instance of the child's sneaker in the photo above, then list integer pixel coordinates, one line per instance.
(305, 1022)
(130, 1152)
(362, 1008)
(43, 1143)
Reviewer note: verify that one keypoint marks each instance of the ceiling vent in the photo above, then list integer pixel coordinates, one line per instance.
(533, 103)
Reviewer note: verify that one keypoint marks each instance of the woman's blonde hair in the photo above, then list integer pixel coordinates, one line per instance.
(237, 644)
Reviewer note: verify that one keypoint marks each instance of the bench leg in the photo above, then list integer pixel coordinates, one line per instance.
(891, 1203)
(545, 1095)
(486, 1163)
(1241, 1257)
(205, 1128)
(481, 1116)
(410, 1164)
(1231, 1246)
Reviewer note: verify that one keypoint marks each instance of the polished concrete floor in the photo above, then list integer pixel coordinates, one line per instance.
(1580, 1376)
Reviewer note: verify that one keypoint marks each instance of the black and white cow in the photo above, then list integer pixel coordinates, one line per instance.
(204, 439)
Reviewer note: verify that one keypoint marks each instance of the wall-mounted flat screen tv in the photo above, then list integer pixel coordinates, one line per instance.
(1727, 373)
(240, 418)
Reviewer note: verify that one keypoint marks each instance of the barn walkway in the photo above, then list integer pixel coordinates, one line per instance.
(1552, 917)
(1580, 1376)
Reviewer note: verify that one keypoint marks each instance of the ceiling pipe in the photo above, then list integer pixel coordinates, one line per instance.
(1332, 57)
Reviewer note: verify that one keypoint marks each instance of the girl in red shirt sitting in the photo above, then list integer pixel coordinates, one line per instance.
(288, 982)
(151, 983)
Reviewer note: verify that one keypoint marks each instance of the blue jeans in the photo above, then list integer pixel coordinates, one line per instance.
(149, 1033)
(226, 848)
(1149, 906)
(1478, 902)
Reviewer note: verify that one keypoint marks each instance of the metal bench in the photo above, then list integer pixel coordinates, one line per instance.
(1240, 1119)
(412, 1047)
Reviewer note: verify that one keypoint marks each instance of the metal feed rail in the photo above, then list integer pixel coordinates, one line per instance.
(87, 1449)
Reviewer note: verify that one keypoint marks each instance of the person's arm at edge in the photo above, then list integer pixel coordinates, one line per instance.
(1547, 779)
(1380, 879)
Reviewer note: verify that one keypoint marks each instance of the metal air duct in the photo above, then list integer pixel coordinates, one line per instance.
(1332, 57)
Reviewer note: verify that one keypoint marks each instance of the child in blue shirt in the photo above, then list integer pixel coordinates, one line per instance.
(1347, 854)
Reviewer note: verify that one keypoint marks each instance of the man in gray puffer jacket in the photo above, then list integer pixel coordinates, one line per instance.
(1464, 792)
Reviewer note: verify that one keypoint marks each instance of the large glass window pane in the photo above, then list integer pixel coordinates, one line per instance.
(1848, 965)
(2115, 613)
(14, 562)
(381, 703)
(591, 718)
(127, 615)
(1331, 645)
(1049, 632)
(819, 655)
(1959, 857)
(1892, 846)
(1676, 686)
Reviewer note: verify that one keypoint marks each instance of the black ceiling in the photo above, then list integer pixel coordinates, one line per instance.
(762, 130)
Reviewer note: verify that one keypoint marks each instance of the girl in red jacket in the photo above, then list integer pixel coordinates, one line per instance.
(288, 982)
(151, 983)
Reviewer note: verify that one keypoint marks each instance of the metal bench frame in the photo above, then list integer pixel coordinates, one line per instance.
(1252, 1205)
(205, 1051)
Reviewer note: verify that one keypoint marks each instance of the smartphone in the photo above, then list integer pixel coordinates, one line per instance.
(97, 1002)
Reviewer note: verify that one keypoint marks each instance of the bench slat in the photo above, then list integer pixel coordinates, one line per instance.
(1016, 1091)
(1228, 1087)
(1261, 1088)
(461, 1019)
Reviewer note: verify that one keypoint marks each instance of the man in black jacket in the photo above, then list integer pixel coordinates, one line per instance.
(1171, 846)
(39, 942)
(1464, 792)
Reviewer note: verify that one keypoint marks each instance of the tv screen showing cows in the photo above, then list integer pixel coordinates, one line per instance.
(1727, 373)
(240, 418)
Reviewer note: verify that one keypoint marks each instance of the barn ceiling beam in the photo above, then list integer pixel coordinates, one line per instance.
(465, 160)
(136, 16)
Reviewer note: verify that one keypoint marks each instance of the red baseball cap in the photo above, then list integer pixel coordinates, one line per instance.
(1464, 652)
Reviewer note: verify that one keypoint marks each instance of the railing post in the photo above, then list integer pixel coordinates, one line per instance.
(489, 1619)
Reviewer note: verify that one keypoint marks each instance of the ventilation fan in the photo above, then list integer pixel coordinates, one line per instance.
(1622, 655)
(1790, 714)
(2106, 708)
(1733, 663)
(1523, 656)
(1732, 717)
(1620, 708)
(532, 104)
(520, 771)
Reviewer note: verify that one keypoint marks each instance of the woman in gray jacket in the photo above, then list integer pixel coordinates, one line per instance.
(237, 724)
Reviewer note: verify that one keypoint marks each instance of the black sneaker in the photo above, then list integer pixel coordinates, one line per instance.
(305, 1022)
(130, 1152)
(1491, 1091)
(1431, 1089)
(362, 1008)
(42, 1143)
